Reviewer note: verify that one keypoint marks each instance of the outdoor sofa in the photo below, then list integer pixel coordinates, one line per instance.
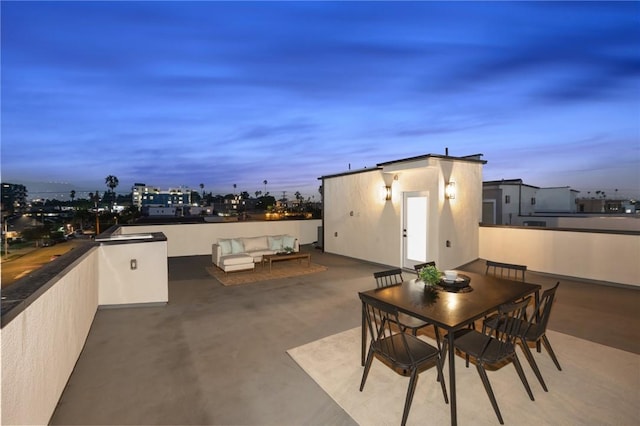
(238, 254)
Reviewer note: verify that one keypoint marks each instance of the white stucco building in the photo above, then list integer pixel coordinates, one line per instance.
(556, 200)
(504, 201)
(417, 223)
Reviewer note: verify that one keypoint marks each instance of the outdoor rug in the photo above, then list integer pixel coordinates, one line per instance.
(279, 270)
(598, 385)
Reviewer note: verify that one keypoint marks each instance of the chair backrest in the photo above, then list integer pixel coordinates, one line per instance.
(386, 340)
(505, 329)
(419, 266)
(508, 271)
(541, 316)
(387, 278)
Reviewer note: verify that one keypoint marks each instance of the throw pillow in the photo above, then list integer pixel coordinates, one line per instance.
(237, 246)
(275, 243)
(225, 246)
(289, 241)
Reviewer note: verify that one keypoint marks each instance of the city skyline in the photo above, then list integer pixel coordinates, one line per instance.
(178, 94)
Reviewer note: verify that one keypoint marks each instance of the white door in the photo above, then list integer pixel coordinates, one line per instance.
(414, 228)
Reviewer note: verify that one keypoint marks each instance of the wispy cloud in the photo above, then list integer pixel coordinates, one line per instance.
(173, 93)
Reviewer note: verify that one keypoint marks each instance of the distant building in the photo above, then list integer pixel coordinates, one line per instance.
(504, 200)
(178, 211)
(556, 200)
(603, 205)
(149, 196)
(14, 199)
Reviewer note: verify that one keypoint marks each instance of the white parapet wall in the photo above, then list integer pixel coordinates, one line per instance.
(193, 239)
(41, 345)
(134, 272)
(598, 256)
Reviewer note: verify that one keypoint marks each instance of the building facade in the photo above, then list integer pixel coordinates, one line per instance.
(503, 201)
(14, 199)
(405, 212)
(150, 196)
(556, 200)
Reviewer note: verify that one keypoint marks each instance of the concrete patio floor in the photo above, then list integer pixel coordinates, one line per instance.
(216, 355)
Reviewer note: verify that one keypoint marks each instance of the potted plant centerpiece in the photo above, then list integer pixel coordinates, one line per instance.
(287, 250)
(430, 275)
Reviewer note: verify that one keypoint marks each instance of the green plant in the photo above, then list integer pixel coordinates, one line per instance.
(288, 250)
(430, 275)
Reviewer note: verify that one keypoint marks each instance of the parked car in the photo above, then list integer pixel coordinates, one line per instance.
(48, 243)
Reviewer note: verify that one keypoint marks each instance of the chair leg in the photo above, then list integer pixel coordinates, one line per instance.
(547, 345)
(487, 388)
(435, 329)
(367, 366)
(410, 392)
(532, 363)
(440, 364)
(523, 378)
(443, 351)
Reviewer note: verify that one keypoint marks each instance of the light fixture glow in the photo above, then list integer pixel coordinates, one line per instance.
(450, 190)
(387, 193)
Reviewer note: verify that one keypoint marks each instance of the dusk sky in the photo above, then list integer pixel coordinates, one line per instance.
(223, 93)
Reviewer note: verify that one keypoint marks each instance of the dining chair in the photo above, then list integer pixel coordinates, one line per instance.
(495, 346)
(388, 277)
(402, 352)
(507, 271)
(419, 266)
(394, 277)
(535, 330)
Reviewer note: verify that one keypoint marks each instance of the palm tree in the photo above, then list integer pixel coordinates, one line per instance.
(265, 186)
(112, 182)
(202, 189)
(72, 195)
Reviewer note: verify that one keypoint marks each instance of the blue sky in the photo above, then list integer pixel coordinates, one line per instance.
(223, 93)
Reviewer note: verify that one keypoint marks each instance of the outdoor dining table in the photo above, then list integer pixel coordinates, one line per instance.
(450, 310)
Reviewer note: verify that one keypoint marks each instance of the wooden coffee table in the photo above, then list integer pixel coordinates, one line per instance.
(284, 256)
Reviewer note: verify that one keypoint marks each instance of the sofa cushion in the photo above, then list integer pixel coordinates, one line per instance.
(236, 259)
(275, 243)
(237, 246)
(225, 246)
(288, 241)
(255, 243)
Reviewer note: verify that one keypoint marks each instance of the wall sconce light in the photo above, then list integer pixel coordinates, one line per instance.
(450, 190)
(387, 193)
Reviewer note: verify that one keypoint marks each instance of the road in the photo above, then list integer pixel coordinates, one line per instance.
(18, 267)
